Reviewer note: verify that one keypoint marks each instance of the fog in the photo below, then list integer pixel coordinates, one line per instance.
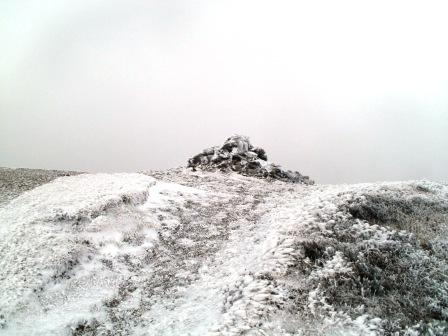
(343, 91)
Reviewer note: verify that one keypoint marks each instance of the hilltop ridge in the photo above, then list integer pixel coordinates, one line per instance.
(202, 250)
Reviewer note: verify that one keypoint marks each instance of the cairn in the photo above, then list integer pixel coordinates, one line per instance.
(237, 154)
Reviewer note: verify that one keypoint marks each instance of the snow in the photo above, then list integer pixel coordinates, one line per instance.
(180, 254)
(42, 233)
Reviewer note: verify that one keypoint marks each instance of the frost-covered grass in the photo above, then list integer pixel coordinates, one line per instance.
(209, 253)
(372, 252)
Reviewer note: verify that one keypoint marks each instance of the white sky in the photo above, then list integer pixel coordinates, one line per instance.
(343, 91)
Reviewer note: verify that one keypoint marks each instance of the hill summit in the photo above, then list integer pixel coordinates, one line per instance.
(205, 253)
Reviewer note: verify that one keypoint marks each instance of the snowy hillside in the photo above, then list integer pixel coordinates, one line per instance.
(217, 253)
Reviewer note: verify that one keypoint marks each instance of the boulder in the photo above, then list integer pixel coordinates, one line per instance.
(261, 153)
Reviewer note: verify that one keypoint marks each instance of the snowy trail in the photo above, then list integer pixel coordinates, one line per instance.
(207, 305)
(183, 253)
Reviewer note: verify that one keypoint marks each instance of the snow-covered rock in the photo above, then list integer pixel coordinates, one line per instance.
(237, 154)
(182, 252)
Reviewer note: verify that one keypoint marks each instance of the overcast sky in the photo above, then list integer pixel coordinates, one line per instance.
(343, 91)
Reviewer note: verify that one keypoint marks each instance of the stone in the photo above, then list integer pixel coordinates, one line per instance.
(261, 153)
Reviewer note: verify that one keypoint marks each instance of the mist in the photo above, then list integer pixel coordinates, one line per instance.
(344, 91)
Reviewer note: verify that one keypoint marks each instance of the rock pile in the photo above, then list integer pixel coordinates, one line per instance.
(237, 154)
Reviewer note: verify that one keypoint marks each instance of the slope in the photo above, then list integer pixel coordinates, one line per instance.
(211, 253)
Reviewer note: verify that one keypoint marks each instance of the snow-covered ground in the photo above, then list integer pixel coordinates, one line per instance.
(193, 253)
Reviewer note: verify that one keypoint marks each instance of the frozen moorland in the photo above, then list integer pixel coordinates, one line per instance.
(183, 252)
